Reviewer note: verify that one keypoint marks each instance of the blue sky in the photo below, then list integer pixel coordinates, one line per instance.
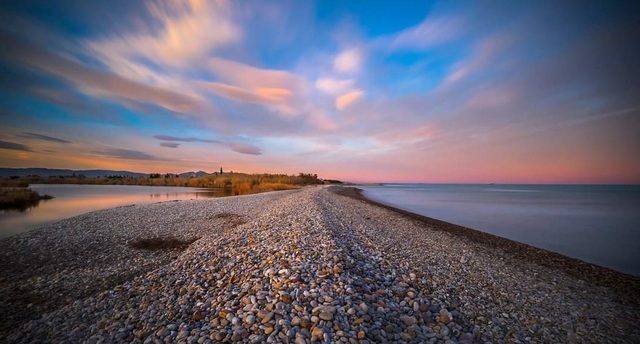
(479, 91)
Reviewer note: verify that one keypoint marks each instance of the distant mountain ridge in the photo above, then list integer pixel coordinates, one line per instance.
(193, 174)
(49, 172)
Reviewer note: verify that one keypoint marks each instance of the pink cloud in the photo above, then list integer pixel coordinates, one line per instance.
(349, 98)
(247, 83)
(274, 94)
(235, 93)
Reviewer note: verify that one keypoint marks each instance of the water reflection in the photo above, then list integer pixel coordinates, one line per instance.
(72, 200)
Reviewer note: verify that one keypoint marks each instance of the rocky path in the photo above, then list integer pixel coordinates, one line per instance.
(302, 266)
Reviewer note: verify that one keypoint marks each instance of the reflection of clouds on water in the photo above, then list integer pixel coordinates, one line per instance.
(72, 200)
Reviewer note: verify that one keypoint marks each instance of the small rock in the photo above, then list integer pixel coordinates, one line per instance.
(285, 298)
(465, 338)
(295, 321)
(408, 320)
(163, 332)
(327, 313)
(304, 322)
(364, 307)
(251, 319)
(572, 338)
(267, 318)
(445, 316)
(318, 333)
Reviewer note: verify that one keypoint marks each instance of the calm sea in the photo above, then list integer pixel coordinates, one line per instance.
(599, 224)
(71, 200)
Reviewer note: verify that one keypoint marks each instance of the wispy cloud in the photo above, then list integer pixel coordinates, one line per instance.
(183, 139)
(334, 86)
(127, 154)
(169, 144)
(484, 53)
(430, 32)
(29, 135)
(245, 149)
(348, 61)
(95, 82)
(14, 146)
(237, 147)
(182, 33)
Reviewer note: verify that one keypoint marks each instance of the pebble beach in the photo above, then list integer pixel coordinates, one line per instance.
(317, 264)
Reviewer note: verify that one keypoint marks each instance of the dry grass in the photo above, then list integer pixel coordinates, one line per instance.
(20, 198)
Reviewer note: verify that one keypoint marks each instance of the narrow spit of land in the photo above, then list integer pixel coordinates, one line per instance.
(315, 264)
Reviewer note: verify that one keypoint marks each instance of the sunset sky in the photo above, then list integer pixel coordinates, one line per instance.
(404, 91)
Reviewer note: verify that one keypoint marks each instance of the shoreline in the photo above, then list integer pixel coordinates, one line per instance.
(304, 265)
(599, 275)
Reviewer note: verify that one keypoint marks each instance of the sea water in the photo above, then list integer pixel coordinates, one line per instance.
(599, 224)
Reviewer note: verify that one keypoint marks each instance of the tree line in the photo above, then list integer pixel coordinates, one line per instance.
(238, 183)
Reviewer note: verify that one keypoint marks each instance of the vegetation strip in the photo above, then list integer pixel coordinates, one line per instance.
(20, 198)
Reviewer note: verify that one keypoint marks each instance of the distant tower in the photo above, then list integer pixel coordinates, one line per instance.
(220, 170)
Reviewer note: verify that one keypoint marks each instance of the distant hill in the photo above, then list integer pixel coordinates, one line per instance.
(193, 174)
(48, 172)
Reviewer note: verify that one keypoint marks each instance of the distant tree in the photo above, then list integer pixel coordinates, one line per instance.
(220, 170)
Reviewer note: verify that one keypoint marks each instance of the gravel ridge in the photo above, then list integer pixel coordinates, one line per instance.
(298, 266)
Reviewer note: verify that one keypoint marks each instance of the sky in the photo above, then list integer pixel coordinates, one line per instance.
(366, 91)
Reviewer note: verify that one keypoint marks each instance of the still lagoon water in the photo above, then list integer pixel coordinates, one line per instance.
(599, 224)
(72, 200)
